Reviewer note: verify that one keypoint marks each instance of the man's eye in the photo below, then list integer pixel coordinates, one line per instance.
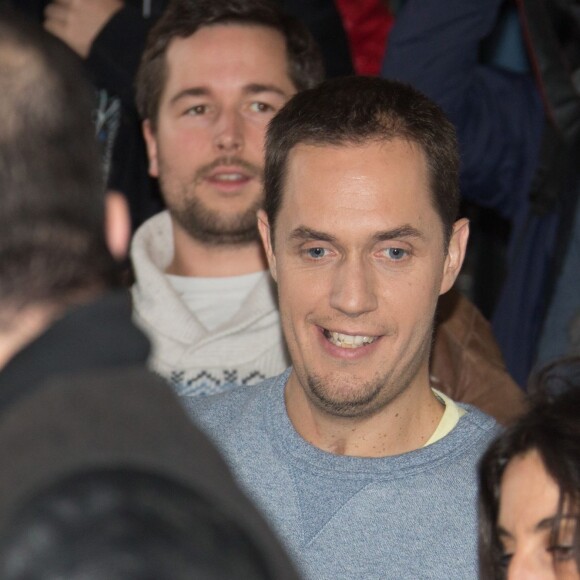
(505, 560)
(396, 254)
(316, 253)
(260, 107)
(196, 110)
(561, 553)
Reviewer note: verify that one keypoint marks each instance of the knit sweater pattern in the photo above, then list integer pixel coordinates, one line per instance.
(244, 351)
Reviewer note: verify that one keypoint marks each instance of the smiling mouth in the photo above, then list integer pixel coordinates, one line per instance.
(348, 340)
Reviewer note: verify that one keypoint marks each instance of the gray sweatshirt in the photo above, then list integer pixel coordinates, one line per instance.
(411, 516)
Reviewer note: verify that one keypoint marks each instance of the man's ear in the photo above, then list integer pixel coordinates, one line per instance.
(265, 234)
(151, 142)
(455, 254)
(117, 224)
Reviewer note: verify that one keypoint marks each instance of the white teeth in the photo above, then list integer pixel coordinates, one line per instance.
(228, 176)
(348, 340)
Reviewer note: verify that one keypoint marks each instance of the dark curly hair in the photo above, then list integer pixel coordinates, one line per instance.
(552, 429)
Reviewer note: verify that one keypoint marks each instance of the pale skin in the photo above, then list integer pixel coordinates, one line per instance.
(78, 22)
(359, 251)
(528, 504)
(28, 324)
(224, 84)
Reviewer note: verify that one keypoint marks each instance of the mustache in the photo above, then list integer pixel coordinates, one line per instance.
(228, 161)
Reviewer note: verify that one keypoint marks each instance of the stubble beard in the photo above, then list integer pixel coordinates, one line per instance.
(366, 398)
(202, 223)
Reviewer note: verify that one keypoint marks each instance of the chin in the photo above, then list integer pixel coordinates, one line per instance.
(352, 396)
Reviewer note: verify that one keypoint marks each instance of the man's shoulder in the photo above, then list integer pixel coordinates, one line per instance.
(476, 429)
(479, 419)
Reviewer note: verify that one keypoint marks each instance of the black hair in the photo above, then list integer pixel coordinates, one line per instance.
(552, 429)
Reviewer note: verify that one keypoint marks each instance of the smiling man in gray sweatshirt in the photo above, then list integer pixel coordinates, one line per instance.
(365, 470)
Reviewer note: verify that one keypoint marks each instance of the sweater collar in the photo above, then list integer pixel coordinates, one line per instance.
(158, 305)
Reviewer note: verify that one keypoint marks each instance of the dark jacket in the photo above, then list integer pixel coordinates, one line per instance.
(80, 398)
(500, 121)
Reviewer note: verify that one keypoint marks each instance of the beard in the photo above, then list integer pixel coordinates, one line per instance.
(355, 397)
(202, 223)
(328, 398)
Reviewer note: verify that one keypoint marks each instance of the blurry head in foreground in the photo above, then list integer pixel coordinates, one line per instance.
(530, 492)
(126, 524)
(54, 249)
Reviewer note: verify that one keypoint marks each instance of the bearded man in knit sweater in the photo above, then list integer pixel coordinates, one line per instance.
(364, 469)
(213, 74)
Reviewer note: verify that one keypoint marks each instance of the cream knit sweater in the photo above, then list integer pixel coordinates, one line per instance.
(246, 350)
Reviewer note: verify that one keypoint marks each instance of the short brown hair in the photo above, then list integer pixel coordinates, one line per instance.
(184, 17)
(358, 110)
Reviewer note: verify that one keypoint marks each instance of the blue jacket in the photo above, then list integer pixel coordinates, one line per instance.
(499, 118)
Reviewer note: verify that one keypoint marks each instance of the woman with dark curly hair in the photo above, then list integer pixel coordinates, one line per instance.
(530, 487)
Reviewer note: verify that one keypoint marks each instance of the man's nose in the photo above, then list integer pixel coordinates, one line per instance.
(354, 289)
(529, 565)
(229, 132)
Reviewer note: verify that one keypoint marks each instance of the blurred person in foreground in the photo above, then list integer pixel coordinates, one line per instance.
(74, 390)
(530, 486)
(126, 524)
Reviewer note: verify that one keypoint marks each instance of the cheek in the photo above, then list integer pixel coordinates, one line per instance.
(190, 141)
(181, 143)
(413, 294)
(299, 296)
(254, 140)
(302, 288)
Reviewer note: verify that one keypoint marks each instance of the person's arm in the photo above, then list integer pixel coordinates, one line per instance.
(78, 22)
(108, 34)
(116, 52)
(434, 45)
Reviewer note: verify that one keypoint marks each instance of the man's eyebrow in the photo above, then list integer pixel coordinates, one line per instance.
(503, 533)
(542, 525)
(406, 231)
(304, 234)
(251, 89)
(548, 523)
(256, 88)
(190, 92)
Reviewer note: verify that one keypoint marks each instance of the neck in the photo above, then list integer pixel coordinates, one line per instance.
(405, 424)
(194, 258)
(25, 326)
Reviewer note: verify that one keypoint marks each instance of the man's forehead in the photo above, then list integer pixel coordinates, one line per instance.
(379, 160)
(229, 48)
(374, 181)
